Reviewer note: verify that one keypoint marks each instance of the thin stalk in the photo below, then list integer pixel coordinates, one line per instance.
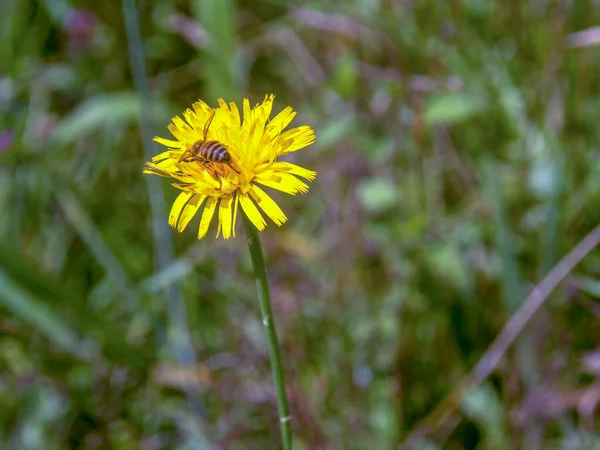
(179, 333)
(264, 298)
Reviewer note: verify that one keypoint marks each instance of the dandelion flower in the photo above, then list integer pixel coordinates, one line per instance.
(223, 177)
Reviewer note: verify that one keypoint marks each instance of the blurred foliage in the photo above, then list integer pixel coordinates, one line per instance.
(458, 160)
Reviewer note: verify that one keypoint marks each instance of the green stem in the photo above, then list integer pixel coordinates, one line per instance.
(264, 298)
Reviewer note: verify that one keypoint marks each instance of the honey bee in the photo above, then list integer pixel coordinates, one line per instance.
(205, 152)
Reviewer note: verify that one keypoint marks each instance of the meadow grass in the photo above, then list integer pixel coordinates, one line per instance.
(458, 161)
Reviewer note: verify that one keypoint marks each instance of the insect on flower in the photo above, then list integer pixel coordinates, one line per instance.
(205, 151)
(220, 159)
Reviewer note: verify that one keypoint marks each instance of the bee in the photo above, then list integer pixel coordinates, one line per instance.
(204, 151)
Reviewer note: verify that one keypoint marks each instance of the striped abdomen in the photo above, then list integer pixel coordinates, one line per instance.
(212, 151)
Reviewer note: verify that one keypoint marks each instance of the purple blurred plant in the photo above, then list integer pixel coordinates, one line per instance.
(80, 25)
(7, 139)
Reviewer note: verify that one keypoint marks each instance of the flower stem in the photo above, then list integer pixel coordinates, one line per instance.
(264, 298)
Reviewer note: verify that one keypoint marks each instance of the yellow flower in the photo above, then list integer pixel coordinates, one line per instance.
(253, 146)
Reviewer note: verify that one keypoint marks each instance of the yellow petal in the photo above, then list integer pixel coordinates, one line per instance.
(170, 166)
(281, 120)
(179, 123)
(235, 115)
(203, 112)
(223, 105)
(235, 211)
(168, 143)
(189, 211)
(192, 118)
(229, 122)
(167, 162)
(294, 170)
(247, 114)
(167, 169)
(178, 205)
(154, 169)
(252, 212)
(267, 204)
(207, 215)
(182, 186)
(264, 110)
(183, 131)
(225, 216)
(295, 139)
(283, 182)
(182, 136)
(201, 109)
(161, 157)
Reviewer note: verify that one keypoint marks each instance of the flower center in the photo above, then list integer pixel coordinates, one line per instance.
(220, 179)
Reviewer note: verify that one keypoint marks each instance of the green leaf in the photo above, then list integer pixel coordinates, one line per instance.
(451, 108)
(345, 78)
(378, 194)
(334, 131)
(32, 295)
(589, 285)
(98, 112)
(30, 310)
(483, 406)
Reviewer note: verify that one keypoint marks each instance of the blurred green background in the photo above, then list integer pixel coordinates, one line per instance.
(458, 159)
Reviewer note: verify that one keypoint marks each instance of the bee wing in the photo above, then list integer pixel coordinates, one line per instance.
(207, 125)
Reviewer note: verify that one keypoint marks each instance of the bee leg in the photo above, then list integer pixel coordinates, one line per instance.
(185, 157)
(234, 169)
